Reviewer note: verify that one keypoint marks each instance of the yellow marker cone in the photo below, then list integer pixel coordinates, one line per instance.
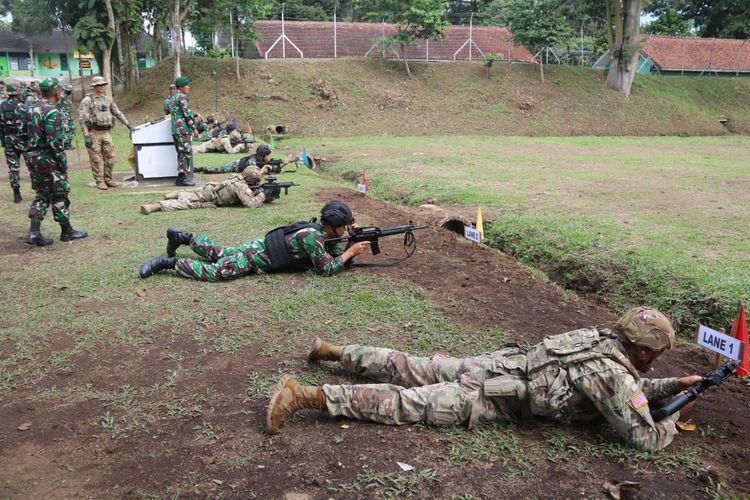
(480, 225)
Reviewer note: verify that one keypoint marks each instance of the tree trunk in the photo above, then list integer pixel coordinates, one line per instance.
(120, 56)
(406, 63)
(107, 56)
(541, 68)
(32, 64)
(157, 40)
(623, 62)
(177, 38)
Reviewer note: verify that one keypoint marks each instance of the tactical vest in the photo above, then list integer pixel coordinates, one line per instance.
(8, 122)
(547, 387)
(101, 116)
(279, 250)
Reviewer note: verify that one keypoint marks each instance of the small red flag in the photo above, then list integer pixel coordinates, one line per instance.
(739, 331)
(364, 181)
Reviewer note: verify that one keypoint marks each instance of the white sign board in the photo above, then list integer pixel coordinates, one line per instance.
(361, 188)
(472, 234)
(725, 345)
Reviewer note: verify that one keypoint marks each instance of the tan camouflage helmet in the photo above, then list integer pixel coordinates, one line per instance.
(252, 175)
(648, 328)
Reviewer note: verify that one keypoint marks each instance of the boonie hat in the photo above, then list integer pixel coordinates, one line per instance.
(97, 81)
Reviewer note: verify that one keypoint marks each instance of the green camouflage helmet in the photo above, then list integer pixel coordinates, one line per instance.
(648, 328)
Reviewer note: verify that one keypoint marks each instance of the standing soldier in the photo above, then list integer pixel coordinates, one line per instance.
(184, 126)
(45, 151)
(31, 94)
(168, 101)
(95, 113)
(11, 122)
(66, 107)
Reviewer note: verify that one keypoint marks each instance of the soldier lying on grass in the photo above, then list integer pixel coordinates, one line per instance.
(289, 248)
(575, 377)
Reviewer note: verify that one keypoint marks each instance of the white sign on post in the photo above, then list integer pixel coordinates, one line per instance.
(361, 188)
(472, 234)
(725, 345)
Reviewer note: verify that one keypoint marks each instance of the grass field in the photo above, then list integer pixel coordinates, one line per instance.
(632, 220)
(165, 380)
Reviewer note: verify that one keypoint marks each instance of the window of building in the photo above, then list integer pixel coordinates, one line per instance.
(63, 62)
(18, 61)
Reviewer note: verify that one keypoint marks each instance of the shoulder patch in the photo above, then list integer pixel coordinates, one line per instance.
(638, 400)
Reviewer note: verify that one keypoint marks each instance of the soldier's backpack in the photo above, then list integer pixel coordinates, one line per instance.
(279, 250)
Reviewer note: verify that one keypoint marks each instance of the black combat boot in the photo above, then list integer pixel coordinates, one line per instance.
(176, 238)
(17, 195)
(70, 234)
(157, 265)
(35, 236)
(184, 180)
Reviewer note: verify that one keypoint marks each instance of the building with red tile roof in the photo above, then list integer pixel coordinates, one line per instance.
(323, 39)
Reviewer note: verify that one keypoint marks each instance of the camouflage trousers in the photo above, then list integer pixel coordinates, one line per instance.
(437, 390)
(184, 153)
(218, 145)
(13, 159)
(224, 263)
(101, 155)
(233, 167)
(49, 180)
(187, 200)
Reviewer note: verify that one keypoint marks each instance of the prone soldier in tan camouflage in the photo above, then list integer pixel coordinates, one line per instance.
(233, 191)
(574, 377)
(96, 113)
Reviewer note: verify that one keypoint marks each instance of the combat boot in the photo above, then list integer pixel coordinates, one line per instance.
(70, 234)
(17, 195)
(172, 195)
(323, 351)
(183, 180)
(111, 183)
(35, 236)
(101, 185)
(175, 238)
(287, 397)
(149, 208)
(157, 265)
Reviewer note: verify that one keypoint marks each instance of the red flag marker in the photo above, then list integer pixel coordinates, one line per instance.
(739, 331)
(364, 181)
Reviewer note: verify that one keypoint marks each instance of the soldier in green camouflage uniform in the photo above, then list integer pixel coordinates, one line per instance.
(576, 377)
(48, 165)
(259, 158)
(306, 246)
(12, 114)
(184, 126)
(232, 192)
(32, 94)
(167, 106)
(66, 107)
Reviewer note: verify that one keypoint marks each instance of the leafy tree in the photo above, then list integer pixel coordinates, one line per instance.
(414, 20)
(670, 23)
(537, 24)
(714, 18)
(623, 26)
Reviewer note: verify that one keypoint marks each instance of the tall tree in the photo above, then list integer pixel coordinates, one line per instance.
(669, 23)
(711, 18)
(414, 20)
(537, 24)
(623, 24)
(180, 10)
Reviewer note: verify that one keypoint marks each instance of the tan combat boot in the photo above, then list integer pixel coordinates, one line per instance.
(101, 185)
(111, 183)
(152, 207)
(287, 397)
(172, 195)
(323, 351)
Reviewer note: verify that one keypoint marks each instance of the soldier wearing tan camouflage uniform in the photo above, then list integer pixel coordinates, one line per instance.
(575, 377)
(233, 191)
(226, 143)
(96, 114)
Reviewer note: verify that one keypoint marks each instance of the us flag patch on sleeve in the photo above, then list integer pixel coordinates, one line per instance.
(638, 400)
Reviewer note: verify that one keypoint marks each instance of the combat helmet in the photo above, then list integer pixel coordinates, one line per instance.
(647, 327)
(252, 175)
(262, 150)
(336, 213)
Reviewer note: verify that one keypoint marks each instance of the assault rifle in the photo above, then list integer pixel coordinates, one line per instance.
(715, 378)
(272, 189)
(373, 234)
(278, 165)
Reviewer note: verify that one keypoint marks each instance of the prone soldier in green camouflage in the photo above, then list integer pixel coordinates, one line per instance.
(12, 114)
(45, 151)
(303, 244)
(232, 192)
(576, 377)
(259, 158)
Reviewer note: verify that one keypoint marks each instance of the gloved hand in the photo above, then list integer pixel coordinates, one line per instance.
(88, 141)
